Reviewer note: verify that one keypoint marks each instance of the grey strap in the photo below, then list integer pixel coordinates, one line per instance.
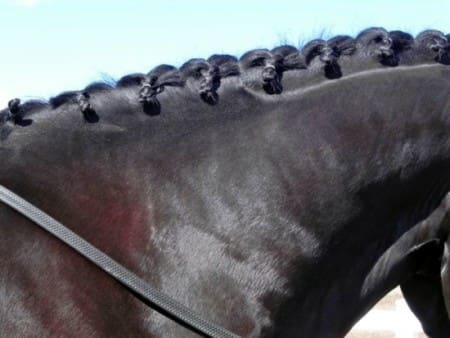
(157, 300)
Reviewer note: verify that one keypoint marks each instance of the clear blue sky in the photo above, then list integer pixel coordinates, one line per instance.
(49, 46)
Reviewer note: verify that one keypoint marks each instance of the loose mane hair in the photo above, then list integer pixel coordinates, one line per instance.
(390, 48)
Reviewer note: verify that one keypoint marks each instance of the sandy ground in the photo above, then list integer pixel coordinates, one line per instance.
(391, 318)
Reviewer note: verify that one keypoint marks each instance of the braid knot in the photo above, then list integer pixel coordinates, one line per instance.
(209, 84)
(86, 108)
(14, 111)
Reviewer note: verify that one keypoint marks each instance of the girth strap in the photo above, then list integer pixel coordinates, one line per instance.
(146, 293)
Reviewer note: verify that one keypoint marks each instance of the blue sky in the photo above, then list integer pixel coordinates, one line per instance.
(49, 46)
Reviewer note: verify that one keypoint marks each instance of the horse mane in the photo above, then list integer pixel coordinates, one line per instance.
(391, 48)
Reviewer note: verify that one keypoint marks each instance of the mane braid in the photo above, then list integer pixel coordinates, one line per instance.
(98, 87)
(271, 68)
(389, 48)
(227, 65)
(288, 58)
(88, 112)
(154, 83)
(208, 76)
(130, 80)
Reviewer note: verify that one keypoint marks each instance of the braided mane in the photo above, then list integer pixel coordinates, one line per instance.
(388, 48)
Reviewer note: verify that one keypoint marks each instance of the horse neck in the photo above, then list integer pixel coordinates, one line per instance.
(313, 123)
(254, 164)
(352, 132)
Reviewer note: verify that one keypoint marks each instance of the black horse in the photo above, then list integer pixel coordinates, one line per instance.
(278, 195)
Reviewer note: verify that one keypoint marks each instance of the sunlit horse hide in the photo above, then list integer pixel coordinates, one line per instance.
(278, 195)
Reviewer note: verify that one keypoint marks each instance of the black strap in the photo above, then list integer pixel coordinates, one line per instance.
(152, 297)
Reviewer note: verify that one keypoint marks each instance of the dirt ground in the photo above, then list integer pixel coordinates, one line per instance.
(391, 318)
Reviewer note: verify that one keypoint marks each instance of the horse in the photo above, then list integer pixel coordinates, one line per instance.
(281, 194)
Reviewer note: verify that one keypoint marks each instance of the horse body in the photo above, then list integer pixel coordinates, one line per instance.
(283, 215)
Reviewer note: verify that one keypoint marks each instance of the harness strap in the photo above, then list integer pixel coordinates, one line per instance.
(146, 293)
